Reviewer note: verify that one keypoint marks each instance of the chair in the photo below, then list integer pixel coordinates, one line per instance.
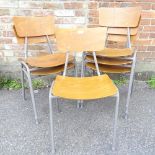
(82, 88)
(34, 30)
(122, 25)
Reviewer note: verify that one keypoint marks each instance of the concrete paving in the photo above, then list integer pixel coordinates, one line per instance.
(86, 131)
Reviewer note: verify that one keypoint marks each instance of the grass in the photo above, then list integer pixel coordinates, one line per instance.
(121, 81)
(38, 84)
(9, 83)
(151, 82)
(15, 84)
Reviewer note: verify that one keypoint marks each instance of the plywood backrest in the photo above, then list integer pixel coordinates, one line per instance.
(34, 26)
(81, 39)
(31, 40)
(121, 38)
(122, 31)
(119, 17)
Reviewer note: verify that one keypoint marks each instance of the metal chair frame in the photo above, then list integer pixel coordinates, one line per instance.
(52, 97)
(132, 73)
(26, 70)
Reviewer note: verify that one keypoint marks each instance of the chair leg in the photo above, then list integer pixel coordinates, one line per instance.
(76, 70)
(81, 104)
(58, 105)
(78, 105)
(130, 88)
(51, 123)
(22, 81)
(115, 122)
(32, 97)
(82, 66)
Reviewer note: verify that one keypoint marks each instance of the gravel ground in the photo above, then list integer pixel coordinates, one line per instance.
(86, 131)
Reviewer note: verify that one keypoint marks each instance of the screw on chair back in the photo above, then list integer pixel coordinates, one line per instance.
(34, 30)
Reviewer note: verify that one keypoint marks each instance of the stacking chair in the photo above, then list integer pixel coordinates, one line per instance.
(82, 88)
(122, 25)
(34, 30)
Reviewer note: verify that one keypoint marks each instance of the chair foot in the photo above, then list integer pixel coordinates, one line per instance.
(126, 116)
(36, 121)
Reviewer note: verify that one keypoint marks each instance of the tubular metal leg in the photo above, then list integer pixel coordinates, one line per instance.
(58, 105)
(82, 66)
(82, 75)
(75, 69)
(130, 88)
(51, 123)
(115, 122)
(32, 97)
(78, 104)
(81, 103)
(22, 81)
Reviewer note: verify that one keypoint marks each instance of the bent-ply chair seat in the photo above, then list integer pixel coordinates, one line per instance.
(110, 68)
(50, 60)
(51, 70)
(84, 88)
(108, 61)
(114, 52)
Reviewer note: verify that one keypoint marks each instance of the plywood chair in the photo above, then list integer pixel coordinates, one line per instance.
(82, 88)
(33, 30)
(122, 25)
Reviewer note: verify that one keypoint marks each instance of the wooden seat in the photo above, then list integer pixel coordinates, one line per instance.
(51, 70)
(84, 88)
(110, 68)
(108, 61)
(50, 60)
(114, 52)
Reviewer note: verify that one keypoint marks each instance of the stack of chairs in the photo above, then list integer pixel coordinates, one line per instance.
(115, 24)
(122, 25)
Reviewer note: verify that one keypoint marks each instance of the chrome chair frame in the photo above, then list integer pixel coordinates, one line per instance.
(51, 97)
(132, 73)
(27, 71)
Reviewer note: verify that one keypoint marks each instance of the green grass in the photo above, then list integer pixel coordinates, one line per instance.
(121, 81)
(151, 82)
(38, 84)
(15, 84)
(9, 83)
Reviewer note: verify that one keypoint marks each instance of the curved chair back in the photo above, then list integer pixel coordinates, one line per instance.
(120, 22)
(81, 39)
(29, 30)
(34, 26)
(31, 40)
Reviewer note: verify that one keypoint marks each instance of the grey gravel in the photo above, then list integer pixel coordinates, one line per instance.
(86, 131)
